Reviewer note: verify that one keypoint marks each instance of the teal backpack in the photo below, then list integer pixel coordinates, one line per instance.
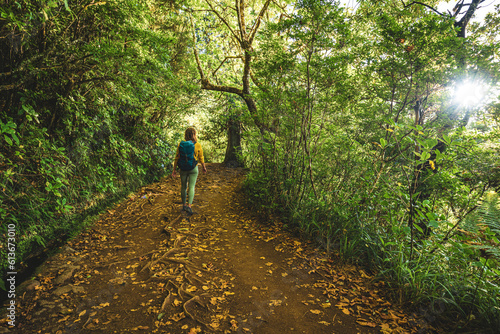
(186, 156)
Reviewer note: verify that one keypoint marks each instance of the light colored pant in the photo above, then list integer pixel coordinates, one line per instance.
(188, 180)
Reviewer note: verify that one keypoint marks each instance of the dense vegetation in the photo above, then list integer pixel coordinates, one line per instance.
(89, 96)
(354, 135)
(351, 125)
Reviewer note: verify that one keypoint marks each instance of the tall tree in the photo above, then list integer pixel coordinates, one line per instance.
(237, 26)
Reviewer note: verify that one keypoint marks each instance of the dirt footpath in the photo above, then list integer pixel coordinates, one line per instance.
(146, 267)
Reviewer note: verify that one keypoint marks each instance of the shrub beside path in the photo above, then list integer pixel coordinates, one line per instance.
(146, 267)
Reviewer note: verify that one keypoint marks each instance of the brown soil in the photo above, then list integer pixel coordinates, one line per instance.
(146, 267)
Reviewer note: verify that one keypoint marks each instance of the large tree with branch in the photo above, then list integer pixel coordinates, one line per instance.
(237, 28)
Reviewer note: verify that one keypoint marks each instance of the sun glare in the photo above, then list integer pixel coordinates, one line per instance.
(470, 94)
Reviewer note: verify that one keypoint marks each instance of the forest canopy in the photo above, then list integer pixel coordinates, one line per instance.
(373, 130)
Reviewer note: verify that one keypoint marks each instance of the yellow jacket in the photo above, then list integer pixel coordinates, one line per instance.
(198, 153)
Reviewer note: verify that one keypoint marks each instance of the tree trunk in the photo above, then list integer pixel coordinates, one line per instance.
(233, 150)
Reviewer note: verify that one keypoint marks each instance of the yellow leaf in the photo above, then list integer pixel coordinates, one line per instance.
(363, 274)
(390, 130)
(315, 311)
(82, 313)
(420, 133)
(191, 289)
(363, 322)
(346, 311)
(63, 319)
(432, 164)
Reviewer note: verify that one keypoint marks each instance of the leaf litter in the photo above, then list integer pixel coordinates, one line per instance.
(147, 266)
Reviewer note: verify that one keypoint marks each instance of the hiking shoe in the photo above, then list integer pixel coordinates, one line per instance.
(188, 210)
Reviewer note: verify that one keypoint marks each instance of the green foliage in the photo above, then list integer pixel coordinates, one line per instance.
(369, 154)
(87, 109)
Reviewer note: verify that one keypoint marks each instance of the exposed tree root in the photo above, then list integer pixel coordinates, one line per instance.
(174, 250)
(192, 279)
(171, 259)
(178, 240)
(196, 300)
(127, 260)
(166, 302)
(147, 218)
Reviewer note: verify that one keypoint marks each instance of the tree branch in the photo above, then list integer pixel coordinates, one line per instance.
(222, 63)
(240, 11)
(223, 20)
(257, 21)
(8, 87)
(470, 11)
(422, 4)
(257, 82)
(195, 50)
(207, 85)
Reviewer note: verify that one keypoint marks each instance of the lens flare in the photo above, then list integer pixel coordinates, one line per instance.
(470, 93)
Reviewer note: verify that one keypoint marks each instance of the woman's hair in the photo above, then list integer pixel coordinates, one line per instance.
(190, 134)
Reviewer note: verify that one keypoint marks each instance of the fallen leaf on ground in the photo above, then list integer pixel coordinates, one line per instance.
(367, 323)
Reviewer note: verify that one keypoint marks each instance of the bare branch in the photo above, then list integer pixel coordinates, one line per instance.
(223, 20)
(257, 21)
(458, 8)
(207, 85)
(422, 4)
(222, 63)
(241, 20)
(195, 50)
(470, 11)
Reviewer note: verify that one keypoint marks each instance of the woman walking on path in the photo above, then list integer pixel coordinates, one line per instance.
(189, 153)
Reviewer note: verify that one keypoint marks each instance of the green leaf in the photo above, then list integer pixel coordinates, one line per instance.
(418, 228)
(433, 224)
